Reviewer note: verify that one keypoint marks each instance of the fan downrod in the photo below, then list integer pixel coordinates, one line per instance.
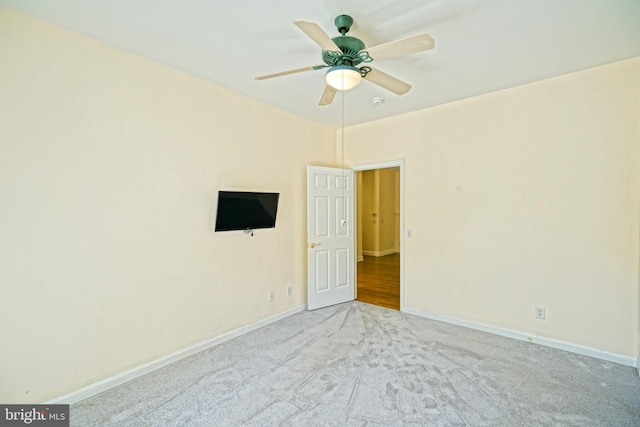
(343, 23)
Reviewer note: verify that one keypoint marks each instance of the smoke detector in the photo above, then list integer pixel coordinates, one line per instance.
(377, 100)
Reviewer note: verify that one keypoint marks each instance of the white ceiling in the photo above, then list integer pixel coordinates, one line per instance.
(481, 45)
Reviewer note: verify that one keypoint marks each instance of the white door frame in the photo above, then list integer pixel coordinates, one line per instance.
(385, 165)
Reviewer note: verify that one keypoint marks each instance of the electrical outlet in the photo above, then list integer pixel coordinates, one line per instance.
(289, 291)
(270, 296)
(540, 312)
(409, 234)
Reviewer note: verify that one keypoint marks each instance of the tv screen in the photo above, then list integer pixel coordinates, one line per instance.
(243, 210)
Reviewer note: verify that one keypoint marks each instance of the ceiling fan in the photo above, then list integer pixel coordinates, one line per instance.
(344, 53)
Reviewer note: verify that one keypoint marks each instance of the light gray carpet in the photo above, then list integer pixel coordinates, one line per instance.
(359, 365)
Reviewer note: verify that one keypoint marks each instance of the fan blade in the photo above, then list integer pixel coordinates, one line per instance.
(284, 73)
(406, 46)
(328, 95)
(388, 82)
(316, 34)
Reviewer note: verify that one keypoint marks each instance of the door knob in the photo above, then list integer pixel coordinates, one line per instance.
(313, 245)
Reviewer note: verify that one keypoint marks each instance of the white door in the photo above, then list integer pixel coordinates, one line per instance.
(330, 236)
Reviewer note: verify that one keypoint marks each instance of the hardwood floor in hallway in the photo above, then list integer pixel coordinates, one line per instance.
(379, 281)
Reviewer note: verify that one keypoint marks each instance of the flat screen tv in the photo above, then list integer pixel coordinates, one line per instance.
(244, 210)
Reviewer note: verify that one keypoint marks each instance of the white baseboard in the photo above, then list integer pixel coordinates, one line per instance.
(360, 258)
(116, 380)
(548, 342)
(381, 253)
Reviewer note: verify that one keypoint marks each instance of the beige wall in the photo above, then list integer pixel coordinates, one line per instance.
(388, 198)
(358, 215)
(378, 213)
(109, 171)
(369, 214)
(524, 197)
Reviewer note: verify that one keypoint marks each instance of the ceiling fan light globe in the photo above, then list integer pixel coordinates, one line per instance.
(343, 77)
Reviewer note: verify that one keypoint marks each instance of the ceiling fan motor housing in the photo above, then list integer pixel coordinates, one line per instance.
(350, 55)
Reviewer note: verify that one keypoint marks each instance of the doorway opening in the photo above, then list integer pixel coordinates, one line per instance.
(379, 242)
